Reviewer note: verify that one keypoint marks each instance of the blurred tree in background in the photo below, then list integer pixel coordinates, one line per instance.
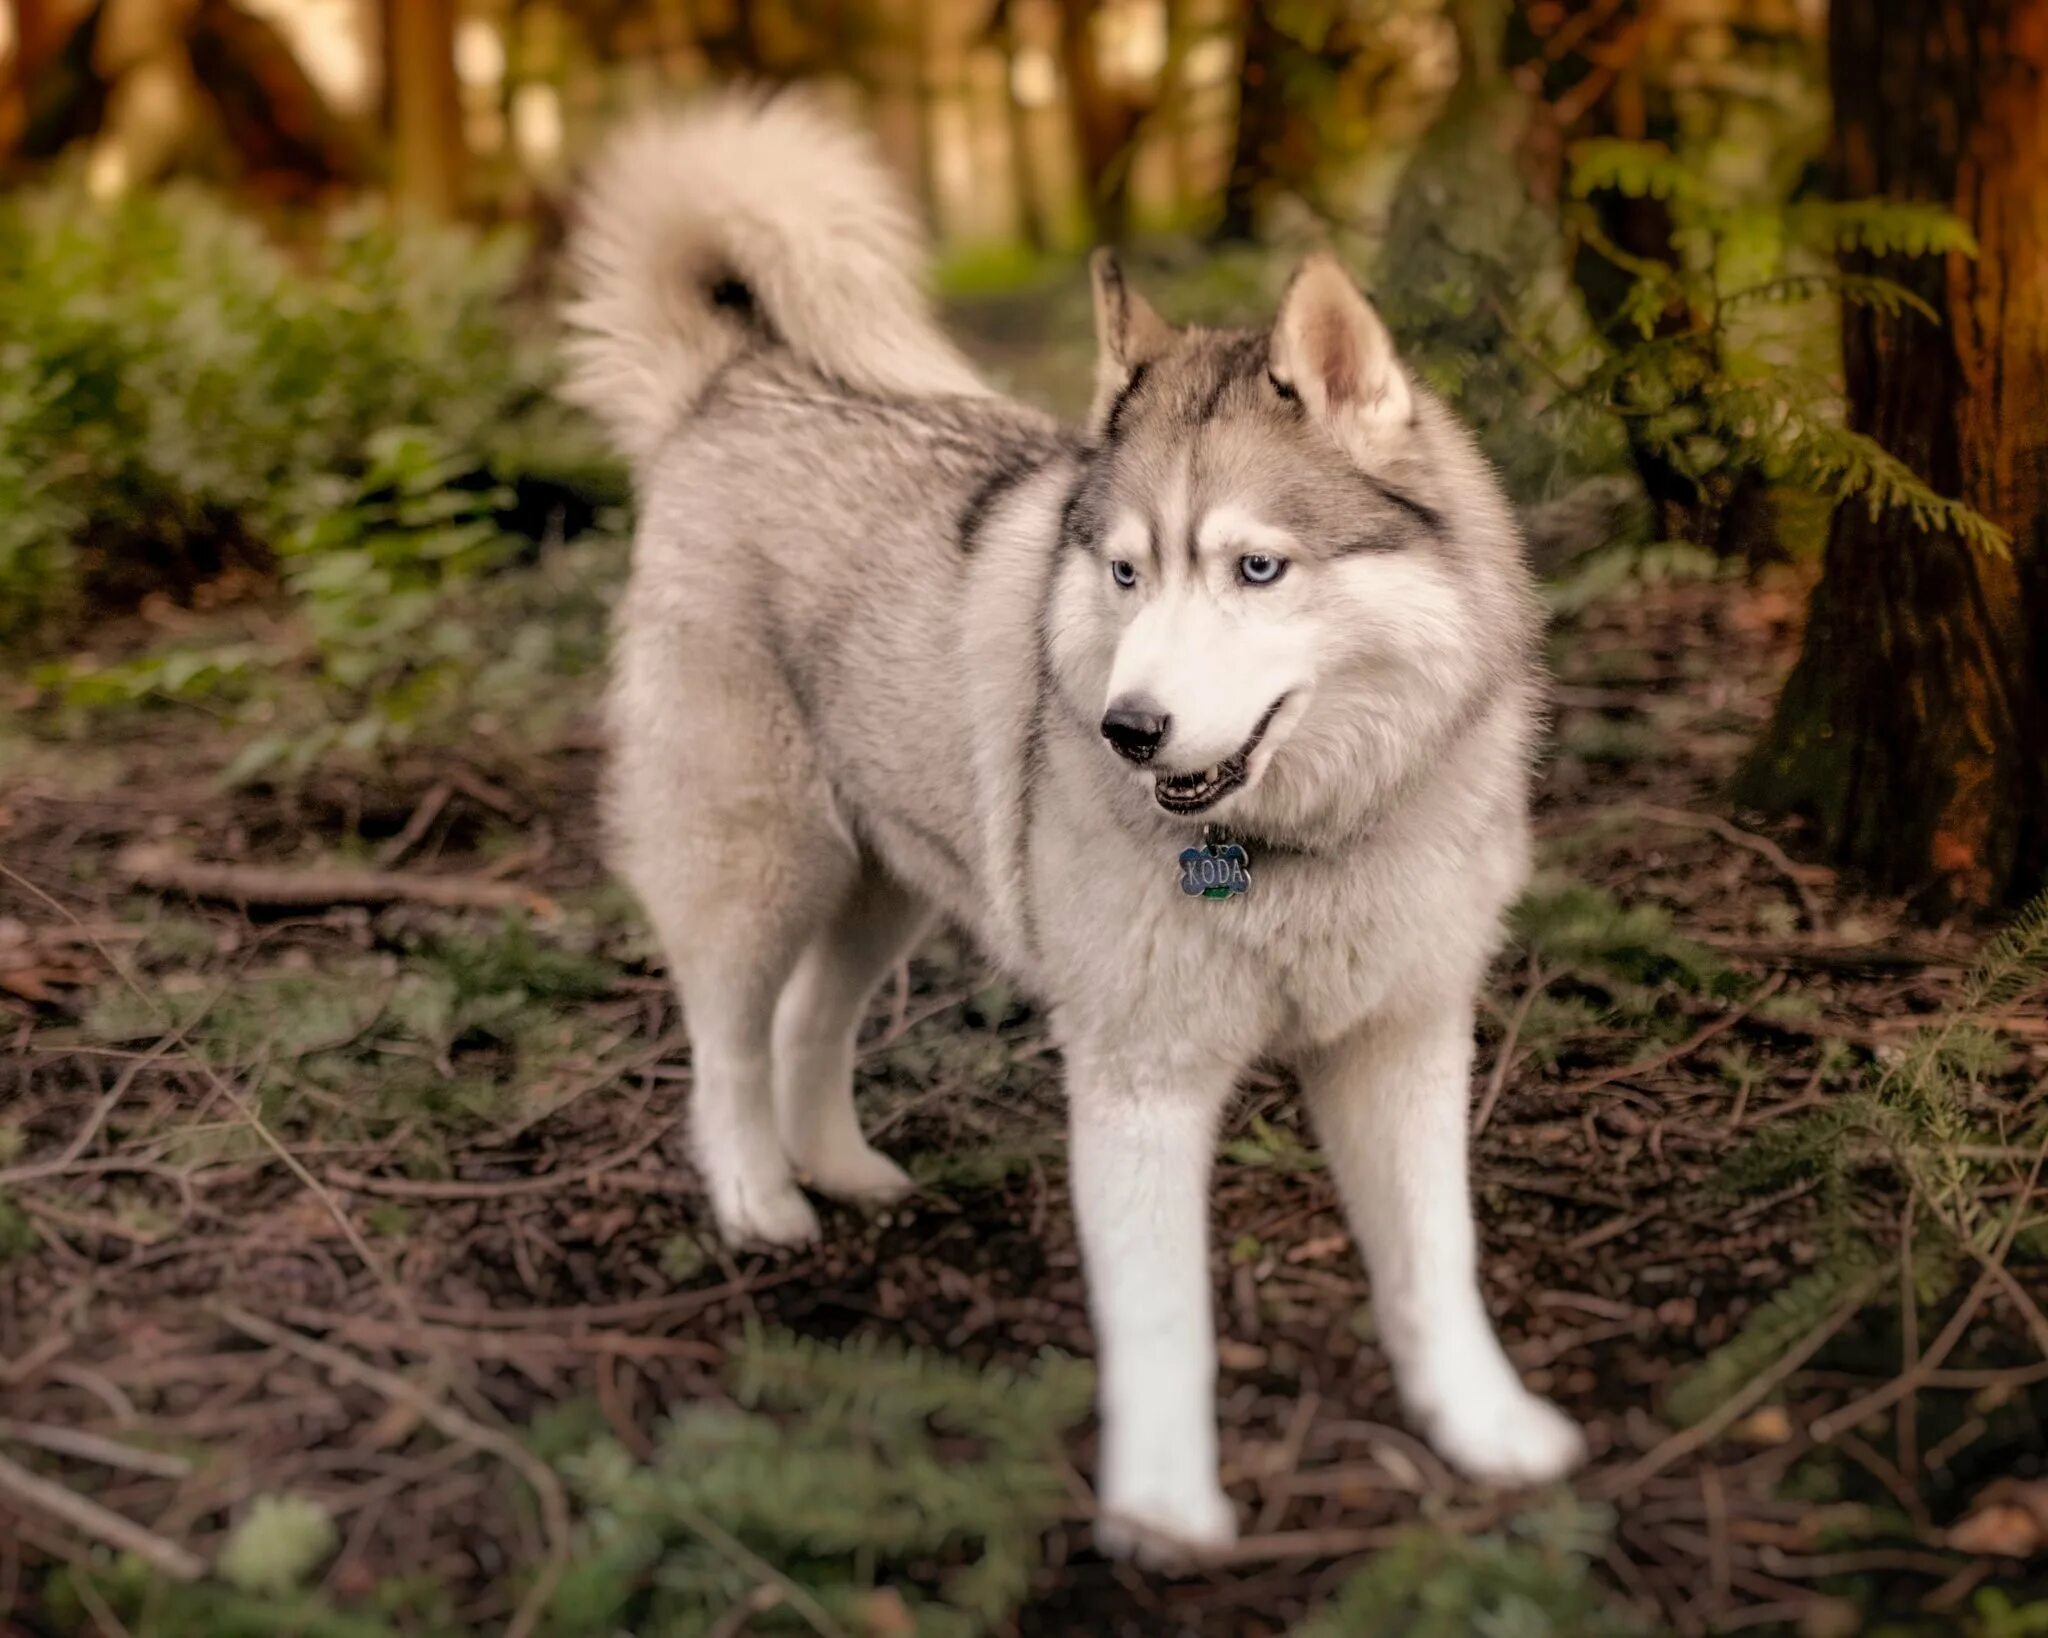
(1610, 231)
(1916, 723)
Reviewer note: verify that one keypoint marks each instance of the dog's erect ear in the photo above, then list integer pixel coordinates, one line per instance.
(1128, 336)
(1333, 351)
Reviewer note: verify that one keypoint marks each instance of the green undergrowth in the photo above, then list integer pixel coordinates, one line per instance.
(455, 1028)
(1531, 1579)
(890, 1489)
(1929, 1126)
(328, 451)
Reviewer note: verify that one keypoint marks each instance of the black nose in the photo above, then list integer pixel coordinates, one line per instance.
(1134, 729)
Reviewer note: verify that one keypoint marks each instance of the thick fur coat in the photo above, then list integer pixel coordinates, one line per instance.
(896, 647)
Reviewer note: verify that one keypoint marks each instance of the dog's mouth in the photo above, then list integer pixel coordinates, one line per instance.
(1185, 793)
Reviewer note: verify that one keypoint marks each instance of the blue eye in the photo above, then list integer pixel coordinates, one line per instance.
(1124, 574)
(1258, 569)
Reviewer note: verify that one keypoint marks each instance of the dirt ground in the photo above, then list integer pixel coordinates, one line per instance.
(331, 1253)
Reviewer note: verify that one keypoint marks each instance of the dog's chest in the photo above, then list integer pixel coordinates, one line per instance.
(1294, 956)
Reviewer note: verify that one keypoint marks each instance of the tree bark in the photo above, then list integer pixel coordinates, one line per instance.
(1104, 124)
(428, 157)
(1914, 727)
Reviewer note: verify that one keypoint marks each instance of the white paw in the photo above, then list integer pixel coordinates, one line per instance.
(769, 1213)
(864, 1176)
(1509, 1438)
(1163, 1530)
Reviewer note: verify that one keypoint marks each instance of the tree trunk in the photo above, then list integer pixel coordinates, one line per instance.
(1104, 124)
(1915, 726)
(1262, 122)
(426, 106)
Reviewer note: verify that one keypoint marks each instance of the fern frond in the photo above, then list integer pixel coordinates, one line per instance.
(1788, 1316)
(1641, 170)
(847, 1469)
(1844, 464)
(2012, 963)
(1882, 227)
(1887, 296)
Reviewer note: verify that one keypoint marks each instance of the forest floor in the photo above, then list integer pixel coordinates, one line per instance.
(384, 1207)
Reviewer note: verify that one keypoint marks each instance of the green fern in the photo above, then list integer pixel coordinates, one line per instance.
(1912, 1129)
(1676, 373)
(1788, 1316)
(1887, 296)
(2011, 964)
(843, 1475)
(1881, 227)
(1845, 465)
(1640, 170)
(1530, 1579)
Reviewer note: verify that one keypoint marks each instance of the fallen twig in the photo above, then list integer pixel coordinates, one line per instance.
(497, 1189)
(1686, 1048)
(1926, 1368)
(1504, 1054)
(1762, 846)
(91, 1447)
(1613, 1486)
(158, 868)
(422, 821)
(102, 1524)
(457, 1425)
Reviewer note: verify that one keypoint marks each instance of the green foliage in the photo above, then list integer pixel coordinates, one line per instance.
(1605, 571)
(18, 1236)
(1572, 924)
(1702, 360)
(682, 1258)
(152, 1607)
(1271, 1148)
(453, 1035)
(181, 396)
(1789, 1315)
(1918, 1123)
(280, 1542)
(1472, 276)
(1997, 1616)
(1532, 1580)
(857, 1473)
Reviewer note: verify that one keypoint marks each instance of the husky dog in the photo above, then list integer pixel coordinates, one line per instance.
(1212, 721)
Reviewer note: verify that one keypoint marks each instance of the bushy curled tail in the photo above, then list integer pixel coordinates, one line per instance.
(742, 218)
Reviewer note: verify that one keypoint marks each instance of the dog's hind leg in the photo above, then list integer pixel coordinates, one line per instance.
(724, 827)
(815, 1024)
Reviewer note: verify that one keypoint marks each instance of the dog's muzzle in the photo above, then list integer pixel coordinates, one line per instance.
(1187, 793)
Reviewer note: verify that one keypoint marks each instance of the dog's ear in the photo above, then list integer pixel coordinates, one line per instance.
(1128, 337)
(1334, 352)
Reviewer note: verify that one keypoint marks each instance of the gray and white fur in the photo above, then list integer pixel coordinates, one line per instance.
(895, 647)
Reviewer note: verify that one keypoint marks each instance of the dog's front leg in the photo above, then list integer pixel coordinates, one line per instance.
(1144, 1138)
(1391, 1105)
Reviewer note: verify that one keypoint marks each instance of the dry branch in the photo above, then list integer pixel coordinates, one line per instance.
(161, 870)
(1762, 846)
(464, 1429)
(87, 1516)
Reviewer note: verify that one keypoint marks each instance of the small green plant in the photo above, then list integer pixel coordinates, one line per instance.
(1922, 1122)
(449, 1037)
(1572, 924)
(1532, 1579)
(185, 403)
(277, 1545)
(843, 1477)
(1706, 389)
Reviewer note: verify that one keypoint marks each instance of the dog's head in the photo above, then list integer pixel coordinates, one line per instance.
(1285, 573)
